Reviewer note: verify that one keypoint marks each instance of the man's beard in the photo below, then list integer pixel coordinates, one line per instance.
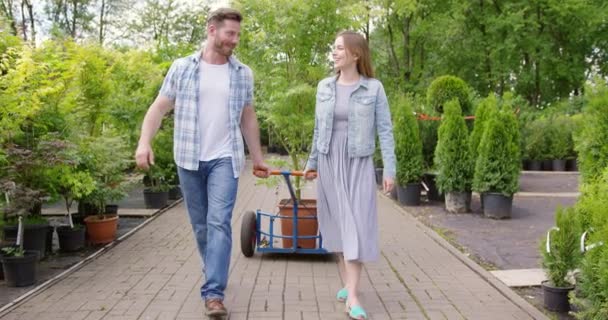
(222, 49)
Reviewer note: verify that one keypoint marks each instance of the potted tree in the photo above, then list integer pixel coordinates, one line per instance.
(162, 173)
(291, 119)
(107, 159)
(498, 164)
(561, 144)
(72, 184)
(452, 159)
(156, 194)
(408, 150)
(560, 255)
(29, 167)
(19, 264)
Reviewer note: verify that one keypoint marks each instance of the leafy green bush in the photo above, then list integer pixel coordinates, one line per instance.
(561, 145)
(564, 253)
(498, 163)
(162, 175)
(483, 113)
(536, 140)
(592, 141)
(452, 158)
(446, 88)
(408, 147)
(592, 282)
(291, 116)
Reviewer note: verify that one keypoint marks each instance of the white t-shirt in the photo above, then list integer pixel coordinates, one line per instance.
(214, 111)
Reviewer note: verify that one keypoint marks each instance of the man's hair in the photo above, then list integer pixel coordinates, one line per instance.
(218, 16)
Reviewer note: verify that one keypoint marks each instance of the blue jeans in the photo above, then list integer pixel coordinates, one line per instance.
(210, 193)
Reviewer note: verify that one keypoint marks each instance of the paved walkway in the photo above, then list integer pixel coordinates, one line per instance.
(155, 274)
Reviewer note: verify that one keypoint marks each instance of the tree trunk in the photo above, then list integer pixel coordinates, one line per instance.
(102, 21)
(7, 9)
(30, 13)
(23, 26)
(391, 45)
(407, 52)
(74, 14)
(537, 93)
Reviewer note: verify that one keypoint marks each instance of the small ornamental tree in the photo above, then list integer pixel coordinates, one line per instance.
(592, 141)
(483, 113)
(408, 147)
(561, 252)
(498, 163)
(452, 158)
(446, 88)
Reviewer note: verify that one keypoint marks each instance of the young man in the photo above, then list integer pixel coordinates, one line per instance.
(212, 94)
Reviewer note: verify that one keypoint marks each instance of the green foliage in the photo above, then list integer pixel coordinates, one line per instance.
(13, 252)
(408, 147)
(106, 158)
(592, 141)
(564, 253)
(498, 162)
(483, 113)
(561, 144)
(291, 119)
(446, 88)
(163, 174)
(452, 158)
(592, 300)
(536, 139)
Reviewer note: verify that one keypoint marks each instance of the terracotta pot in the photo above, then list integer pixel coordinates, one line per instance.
(306, 227)
(101, 231)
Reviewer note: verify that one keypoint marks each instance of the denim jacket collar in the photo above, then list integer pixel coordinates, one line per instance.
(363, 82)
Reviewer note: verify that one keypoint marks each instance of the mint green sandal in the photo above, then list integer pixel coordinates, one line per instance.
(342, 295)
(357, 313)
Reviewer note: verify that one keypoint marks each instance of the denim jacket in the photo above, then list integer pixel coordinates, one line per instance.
(368, 113)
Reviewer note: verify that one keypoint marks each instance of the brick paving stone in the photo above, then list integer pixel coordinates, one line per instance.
(156, 274)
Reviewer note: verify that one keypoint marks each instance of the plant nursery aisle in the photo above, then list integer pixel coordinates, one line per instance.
(155, 274)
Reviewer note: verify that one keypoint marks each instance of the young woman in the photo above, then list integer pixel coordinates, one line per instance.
(351, 109)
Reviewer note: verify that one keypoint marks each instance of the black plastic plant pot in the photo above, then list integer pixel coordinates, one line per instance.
(409, 195)
(559, 165)
(497, 205)
(535, 165)
(20, 271)
(572, 165)
(49, 240)
(433, 193)
(547, 165)
(394, 195)
(111, 209)
(34, 237)
(556, 298)
(155, 199)
(71, 239)
(379, 176)
(175, 193)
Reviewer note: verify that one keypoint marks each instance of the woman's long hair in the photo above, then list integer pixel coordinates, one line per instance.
(357, 46)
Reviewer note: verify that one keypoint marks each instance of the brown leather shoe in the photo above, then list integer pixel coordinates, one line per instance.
(215, 308)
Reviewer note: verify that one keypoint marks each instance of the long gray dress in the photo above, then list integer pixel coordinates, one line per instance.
(346, 193)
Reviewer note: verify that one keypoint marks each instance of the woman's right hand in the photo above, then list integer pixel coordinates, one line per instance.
(310, 175)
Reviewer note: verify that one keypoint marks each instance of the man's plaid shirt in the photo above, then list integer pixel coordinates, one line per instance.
(181, 85)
